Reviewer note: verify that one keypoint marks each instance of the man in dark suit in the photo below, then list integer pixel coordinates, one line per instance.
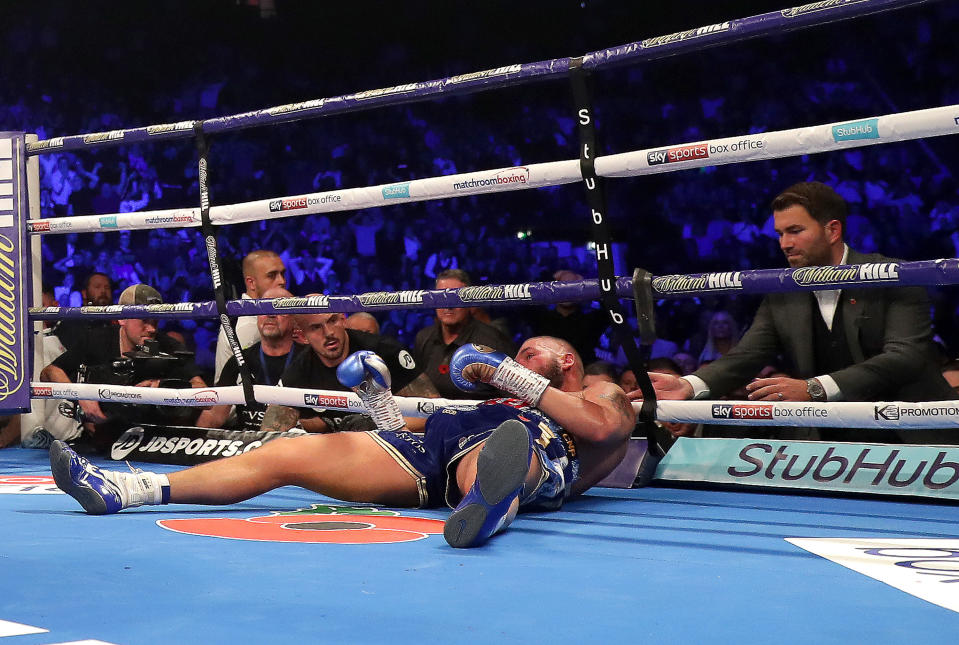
(851, 344)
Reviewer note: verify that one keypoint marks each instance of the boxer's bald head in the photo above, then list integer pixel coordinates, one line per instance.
(554, 358)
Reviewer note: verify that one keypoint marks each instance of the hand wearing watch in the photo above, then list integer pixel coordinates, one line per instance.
(815, 390)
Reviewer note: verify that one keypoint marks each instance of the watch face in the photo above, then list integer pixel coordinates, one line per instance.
(815, 389)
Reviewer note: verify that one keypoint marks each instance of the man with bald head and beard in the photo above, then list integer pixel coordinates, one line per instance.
(262, 270)
(330, 342)
(266, 360)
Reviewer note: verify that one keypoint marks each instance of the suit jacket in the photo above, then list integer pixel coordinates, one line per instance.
(888, 330)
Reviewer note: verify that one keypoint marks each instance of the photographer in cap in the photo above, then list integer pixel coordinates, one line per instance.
(137, 354)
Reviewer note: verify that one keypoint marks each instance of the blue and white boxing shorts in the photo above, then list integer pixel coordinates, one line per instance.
(451, 433)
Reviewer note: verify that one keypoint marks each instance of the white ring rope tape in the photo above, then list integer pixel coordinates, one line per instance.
(878, 414)
(233, 395)
(903, 126)
(846, 414)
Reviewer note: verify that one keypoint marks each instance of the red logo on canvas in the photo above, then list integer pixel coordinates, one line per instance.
(319, 524)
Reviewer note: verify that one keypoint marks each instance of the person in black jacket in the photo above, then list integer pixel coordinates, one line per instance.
(850, 344)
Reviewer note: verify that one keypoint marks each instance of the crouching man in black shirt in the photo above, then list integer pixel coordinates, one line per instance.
(121, 360)
(330, 343)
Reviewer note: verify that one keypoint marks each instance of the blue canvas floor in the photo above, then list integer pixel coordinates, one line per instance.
(654, 565)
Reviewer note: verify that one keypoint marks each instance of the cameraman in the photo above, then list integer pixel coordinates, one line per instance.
(107, 363)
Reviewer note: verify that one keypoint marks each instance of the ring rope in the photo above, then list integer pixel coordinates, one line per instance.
(755, 281)
(233, 395)
(690, 40)
(840, 135)
(481, 295)
(896, 415)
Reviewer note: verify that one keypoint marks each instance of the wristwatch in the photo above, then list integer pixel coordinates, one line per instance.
(815, 390)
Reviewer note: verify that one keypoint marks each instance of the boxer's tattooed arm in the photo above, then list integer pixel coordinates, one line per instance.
(420, 386)
(279, 418)
(622, 405)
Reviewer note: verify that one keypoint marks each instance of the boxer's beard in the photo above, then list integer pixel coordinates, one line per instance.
(554, 372)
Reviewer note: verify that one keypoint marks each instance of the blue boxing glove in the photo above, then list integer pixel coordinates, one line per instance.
(473, 363)
(477, 363)
(366, 373)
(361, 364)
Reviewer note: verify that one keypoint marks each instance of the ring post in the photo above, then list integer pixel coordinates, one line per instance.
(15, 276)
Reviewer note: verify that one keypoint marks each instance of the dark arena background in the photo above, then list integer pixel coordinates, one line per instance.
(667, 563)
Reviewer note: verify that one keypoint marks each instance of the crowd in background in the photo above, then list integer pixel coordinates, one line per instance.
(903, 197)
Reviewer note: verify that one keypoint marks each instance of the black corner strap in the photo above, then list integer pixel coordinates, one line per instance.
(643, 299)
(646, 323)
(209, 236)
(596, 200)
